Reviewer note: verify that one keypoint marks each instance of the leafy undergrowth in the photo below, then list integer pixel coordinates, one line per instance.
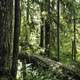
(56, 73)
(47, 69)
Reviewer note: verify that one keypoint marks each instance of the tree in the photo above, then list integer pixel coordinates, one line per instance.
(47, 28)
(74, 51)
(58, 24)
(42, 29)
(16, 39)
(6, 38)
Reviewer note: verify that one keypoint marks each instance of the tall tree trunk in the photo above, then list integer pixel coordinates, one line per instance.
(27, 20)
(47, 30)
(6, 38)
(74, 42)
(16, 39)
(42, 35)
(58, 24)
(28, 6)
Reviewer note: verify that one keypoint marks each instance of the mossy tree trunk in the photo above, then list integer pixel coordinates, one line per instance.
(6, 38)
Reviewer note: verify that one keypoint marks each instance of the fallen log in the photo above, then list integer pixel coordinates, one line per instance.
(54, 66)
(35, 59)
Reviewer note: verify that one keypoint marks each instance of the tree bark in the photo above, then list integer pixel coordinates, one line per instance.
(42, 32)
(47, 29)
(74, 44)
(58, 25)
(6, 38)
(16, 39)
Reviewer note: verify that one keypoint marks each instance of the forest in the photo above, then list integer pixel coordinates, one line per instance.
(39, 40)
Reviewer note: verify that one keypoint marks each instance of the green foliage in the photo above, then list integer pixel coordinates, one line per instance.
(32, 73)
(31, 28)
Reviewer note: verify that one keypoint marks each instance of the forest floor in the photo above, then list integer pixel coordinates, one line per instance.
(61, 71)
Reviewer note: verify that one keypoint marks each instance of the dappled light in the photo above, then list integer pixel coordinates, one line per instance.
(39, 39)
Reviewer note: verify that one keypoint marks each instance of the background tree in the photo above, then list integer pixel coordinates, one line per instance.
(58, 24)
